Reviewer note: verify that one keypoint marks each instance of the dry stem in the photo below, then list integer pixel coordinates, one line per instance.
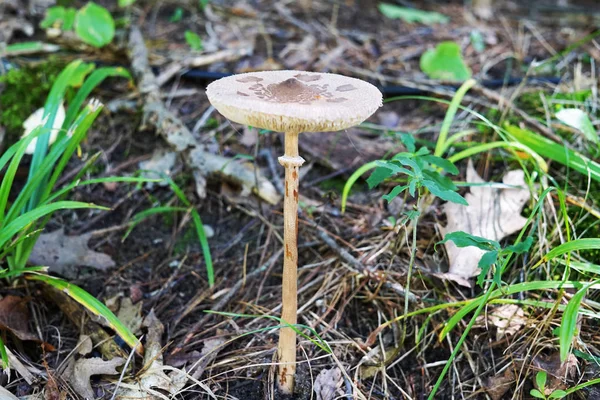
(287, 337)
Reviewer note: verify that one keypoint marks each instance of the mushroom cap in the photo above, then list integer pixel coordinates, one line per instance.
(294, 101)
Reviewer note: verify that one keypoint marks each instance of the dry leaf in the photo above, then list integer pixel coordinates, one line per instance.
(496, 386)
(328, 383)
(153, 375)
(14, 316)
(84, 345)
(557, 372)
(131, 315)
(160, 164)
(508, 318)
(492, 213)
(78, 373)
(62, 253)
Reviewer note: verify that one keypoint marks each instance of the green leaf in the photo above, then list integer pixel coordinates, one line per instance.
(579, 120)
(557, 394)
(568, 324)
(444, 194)
(394, 193)
(379, 175)
(54, 17)
(487, 260)
(193, 40)
(125, 3)
(409, 141)
(537, 394)
(540, 380)
(202, 4)
(445, 63)
(3, 355)
(444, 164)
(94, 25)
(464, 239)
(521, 247)
(557, 152)
(411, 15)
(69, 19)
(177, 15)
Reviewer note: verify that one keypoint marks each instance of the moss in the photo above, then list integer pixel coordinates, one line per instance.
(24, 90)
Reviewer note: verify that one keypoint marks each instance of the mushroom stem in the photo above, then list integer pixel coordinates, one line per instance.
(286, 352)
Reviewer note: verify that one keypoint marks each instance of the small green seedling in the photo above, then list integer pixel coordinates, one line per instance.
(540, 381)
(193, 40)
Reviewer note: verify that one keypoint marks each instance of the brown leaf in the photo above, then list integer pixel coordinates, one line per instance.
(492, 213)
(557, 372)
(496, 386)
(78, 374)
(62, 253)
(14, 316)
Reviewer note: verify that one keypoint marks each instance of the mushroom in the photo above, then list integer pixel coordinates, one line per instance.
(293, 102)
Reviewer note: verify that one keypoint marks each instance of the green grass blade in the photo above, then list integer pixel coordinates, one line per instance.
(11, 171)
(567, 247)
(557, 152)
(568, 323)
(450, 114)
(352, 180)
(93, 305)
(54, 100)
(3, 355)
(210, 272)
(67, 148)
(494, 145)
(88, 86)
(28, 218)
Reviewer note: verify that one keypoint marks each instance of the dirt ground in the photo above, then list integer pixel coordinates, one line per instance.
(160, 264)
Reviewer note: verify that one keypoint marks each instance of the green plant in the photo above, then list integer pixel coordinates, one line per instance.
(540, 380)
(410, 15)
(445, 62)
(494, 253)
(193, 40)
(22, 221)
(93, 24)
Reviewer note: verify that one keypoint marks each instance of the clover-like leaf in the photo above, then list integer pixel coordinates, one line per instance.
(94, 25)
(445, 63)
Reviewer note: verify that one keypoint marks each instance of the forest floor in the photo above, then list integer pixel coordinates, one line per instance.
(353, 266)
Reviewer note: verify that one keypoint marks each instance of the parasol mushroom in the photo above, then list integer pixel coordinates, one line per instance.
(293, 102)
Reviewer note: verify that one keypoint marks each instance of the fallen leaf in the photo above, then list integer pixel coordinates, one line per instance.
(249, 136)
(130, 315)
(14, 316)
(496, 386)
(411, 15)
(508, 318)
(209, 352)
(328, 384)
(558, 372)
(153, 376)
(492, 213)
(84, 345)
(78, 373)
(63, 253)
(161, 163)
